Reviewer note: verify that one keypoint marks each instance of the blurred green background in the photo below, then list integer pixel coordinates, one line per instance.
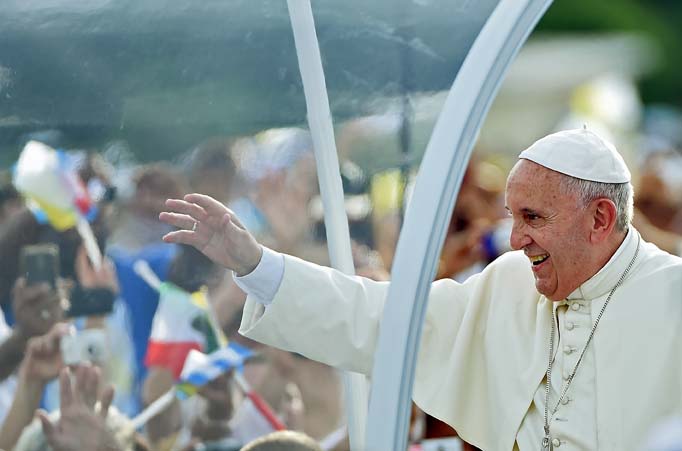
(661, 20)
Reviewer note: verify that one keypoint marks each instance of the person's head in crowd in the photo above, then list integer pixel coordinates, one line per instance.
(659, 188)
(280, 158)
(154, 183)
(480, 196)
(569, 215)
(283, 441)
(136, 224)
(279, 166)
(477, 219)
(211, 170)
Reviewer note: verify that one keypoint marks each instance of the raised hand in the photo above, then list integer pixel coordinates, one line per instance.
(214, 230)
(80, 426)
(42, 363)
(89, 277)
(36, 308)
(43, 359)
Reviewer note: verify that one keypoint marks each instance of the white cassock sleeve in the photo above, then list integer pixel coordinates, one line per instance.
(263, 282)
(334, 318)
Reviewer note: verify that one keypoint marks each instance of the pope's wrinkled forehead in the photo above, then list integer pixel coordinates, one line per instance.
(533, 186)
(526, 172)
(579, 153)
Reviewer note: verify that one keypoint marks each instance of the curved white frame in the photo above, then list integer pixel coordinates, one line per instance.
(423, 232)
(438, 183)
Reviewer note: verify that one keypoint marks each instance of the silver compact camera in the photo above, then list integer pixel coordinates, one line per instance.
(87, 345)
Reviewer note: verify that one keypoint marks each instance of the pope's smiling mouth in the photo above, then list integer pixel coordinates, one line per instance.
(538, 259)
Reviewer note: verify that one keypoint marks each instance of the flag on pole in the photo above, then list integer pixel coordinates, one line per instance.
(192, 367)
(198, 370)
(181, 324)
(49, 181)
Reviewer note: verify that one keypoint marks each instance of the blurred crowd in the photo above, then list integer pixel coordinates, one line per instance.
(97, 326)
(89, 351)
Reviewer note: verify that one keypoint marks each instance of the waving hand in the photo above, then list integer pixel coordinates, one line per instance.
(214, 230)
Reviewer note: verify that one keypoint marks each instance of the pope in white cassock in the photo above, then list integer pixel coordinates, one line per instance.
(573, 341)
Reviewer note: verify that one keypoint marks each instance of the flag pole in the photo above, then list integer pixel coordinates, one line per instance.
(259, 403)
(153, 409)
(89, 242)
(143, 270)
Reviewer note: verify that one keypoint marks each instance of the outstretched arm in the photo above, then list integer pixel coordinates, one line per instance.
(42, 363)
(214, 230)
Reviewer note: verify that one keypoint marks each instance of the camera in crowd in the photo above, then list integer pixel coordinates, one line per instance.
(87, 345)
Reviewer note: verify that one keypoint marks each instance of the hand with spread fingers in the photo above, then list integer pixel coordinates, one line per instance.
(81, 425)
(214, 230)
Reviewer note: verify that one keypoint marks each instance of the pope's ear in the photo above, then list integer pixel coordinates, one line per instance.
(604, 218)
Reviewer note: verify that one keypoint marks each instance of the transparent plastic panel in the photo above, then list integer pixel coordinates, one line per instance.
(139, 101)
(161, 75)
(392, 61)
(389, 66)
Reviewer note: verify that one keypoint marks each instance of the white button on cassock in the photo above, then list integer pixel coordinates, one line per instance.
(556, 443)
(575, 306)
(570, 325)
(568, 349)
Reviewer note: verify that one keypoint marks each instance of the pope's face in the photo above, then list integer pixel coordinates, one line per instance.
(550, 228)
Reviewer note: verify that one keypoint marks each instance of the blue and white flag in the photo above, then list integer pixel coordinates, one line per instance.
(200, 369)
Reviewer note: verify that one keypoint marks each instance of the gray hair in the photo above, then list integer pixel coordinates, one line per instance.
(621, 194)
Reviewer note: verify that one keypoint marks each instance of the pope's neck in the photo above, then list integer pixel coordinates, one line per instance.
(603, 253)
(599, 256)
(609, 249)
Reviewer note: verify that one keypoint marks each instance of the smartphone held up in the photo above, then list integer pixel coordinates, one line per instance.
(39, 263)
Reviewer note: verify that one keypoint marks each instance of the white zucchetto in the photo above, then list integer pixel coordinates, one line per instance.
(579, 153)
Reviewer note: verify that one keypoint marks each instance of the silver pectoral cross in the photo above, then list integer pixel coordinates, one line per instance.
(547, 443)
(547, 439)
